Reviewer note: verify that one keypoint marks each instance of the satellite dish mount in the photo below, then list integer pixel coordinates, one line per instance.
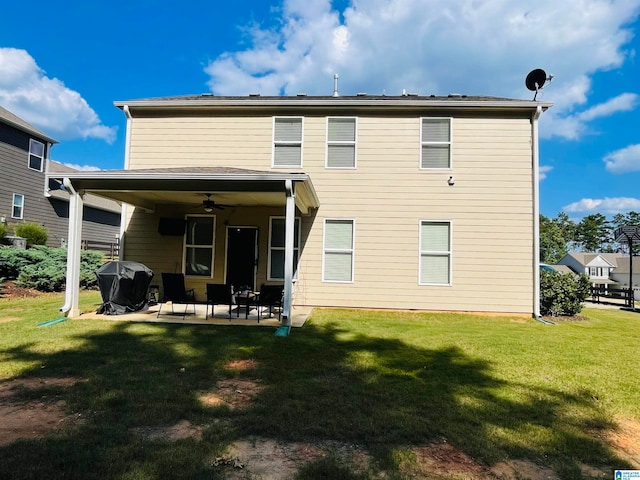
(536, 79)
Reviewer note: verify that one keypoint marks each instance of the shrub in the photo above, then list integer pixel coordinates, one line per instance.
(45, 268)
(562, 294)
(34, 233)
(3, 230)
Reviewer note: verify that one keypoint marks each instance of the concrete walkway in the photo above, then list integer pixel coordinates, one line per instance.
(299, 316)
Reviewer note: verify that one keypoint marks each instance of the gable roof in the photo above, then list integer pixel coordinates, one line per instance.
(587, 258)
(16, 122)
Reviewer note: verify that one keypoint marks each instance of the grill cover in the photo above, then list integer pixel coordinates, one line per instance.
(124, 287)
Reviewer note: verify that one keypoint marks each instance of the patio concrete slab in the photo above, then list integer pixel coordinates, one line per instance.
(149, 314)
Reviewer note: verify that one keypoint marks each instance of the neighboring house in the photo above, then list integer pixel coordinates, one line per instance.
(620, 274)
(398, 202)
(596, 266)
(26, 196)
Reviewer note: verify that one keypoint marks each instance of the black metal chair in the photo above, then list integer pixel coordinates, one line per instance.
(269, 296)
(174, 291)
(219, 294)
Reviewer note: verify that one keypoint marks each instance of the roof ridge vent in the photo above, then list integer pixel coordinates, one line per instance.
(361, 94)
(254, 94)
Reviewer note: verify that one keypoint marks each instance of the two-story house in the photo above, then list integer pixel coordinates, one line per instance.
(597, 266)
(26, 196)
(398, 202)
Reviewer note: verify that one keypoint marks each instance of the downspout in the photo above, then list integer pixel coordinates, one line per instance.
(46, 170)
(536, 211)
(123, 206)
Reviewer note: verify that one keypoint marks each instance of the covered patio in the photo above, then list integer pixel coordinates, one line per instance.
(297, 317)
(153, 191)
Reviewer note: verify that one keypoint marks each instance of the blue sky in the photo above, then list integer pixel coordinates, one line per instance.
(61, 69)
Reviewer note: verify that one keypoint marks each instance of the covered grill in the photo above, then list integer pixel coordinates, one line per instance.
(124, 287)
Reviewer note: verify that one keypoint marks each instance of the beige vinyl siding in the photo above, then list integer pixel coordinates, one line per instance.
(490, 206)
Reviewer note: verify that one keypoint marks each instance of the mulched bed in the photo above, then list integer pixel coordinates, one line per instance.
(9, 289)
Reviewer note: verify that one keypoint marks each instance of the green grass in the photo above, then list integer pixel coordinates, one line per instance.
(495, 388)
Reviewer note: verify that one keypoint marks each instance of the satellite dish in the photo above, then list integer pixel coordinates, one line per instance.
(536, 79)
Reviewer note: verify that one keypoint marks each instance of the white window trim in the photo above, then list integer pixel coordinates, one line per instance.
(352, 250)
(435, 252)
(31, 140)
(185, 246)
(270, 248)
(450, 143)
(13, 206)
(354, 143)
(273, 143)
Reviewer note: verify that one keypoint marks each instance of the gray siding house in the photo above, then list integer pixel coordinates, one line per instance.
(26, 197)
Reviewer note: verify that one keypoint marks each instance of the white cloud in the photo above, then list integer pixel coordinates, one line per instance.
(623, 160)
(604, 205)
(46, 103)
(83, 168)
(574, 125)
(471, 47)
(544, 169)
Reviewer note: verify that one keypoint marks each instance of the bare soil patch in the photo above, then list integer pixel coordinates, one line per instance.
(9, 289)
(234, 393)
(21, 419)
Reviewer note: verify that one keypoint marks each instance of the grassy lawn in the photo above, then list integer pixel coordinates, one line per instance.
(492, 388)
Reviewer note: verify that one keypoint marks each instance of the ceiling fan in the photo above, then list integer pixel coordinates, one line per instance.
(210, 205)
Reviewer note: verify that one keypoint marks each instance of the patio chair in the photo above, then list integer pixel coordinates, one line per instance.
(219, 294)
(174, 291)
(269, 296)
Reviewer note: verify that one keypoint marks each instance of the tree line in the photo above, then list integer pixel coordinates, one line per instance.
(594, 233)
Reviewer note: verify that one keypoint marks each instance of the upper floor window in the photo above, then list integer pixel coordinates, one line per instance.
(338, 254)
(287, 141)
(341, 142)
(435, 253)
(435, 139)
(36, 155)
(199, 246)
(17, 209)
(276, 248)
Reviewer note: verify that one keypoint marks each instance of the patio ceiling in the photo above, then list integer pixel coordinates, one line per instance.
(147, 188)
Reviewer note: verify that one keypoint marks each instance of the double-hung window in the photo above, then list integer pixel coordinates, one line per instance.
(287, 141)
(435, 253)
(341, 142)
(199, 246)
(435, 139)
(17, 209)
(36, 155)
(338, 251)
(276, 248)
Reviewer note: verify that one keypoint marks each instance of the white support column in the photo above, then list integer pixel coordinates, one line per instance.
(289, 225)
(76, 204)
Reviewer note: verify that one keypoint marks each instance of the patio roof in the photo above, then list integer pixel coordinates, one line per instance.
(146, 188)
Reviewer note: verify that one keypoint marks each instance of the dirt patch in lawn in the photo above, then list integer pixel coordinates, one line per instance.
(23, 419)
(9, 289)
(625, 440)
(234, 393)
